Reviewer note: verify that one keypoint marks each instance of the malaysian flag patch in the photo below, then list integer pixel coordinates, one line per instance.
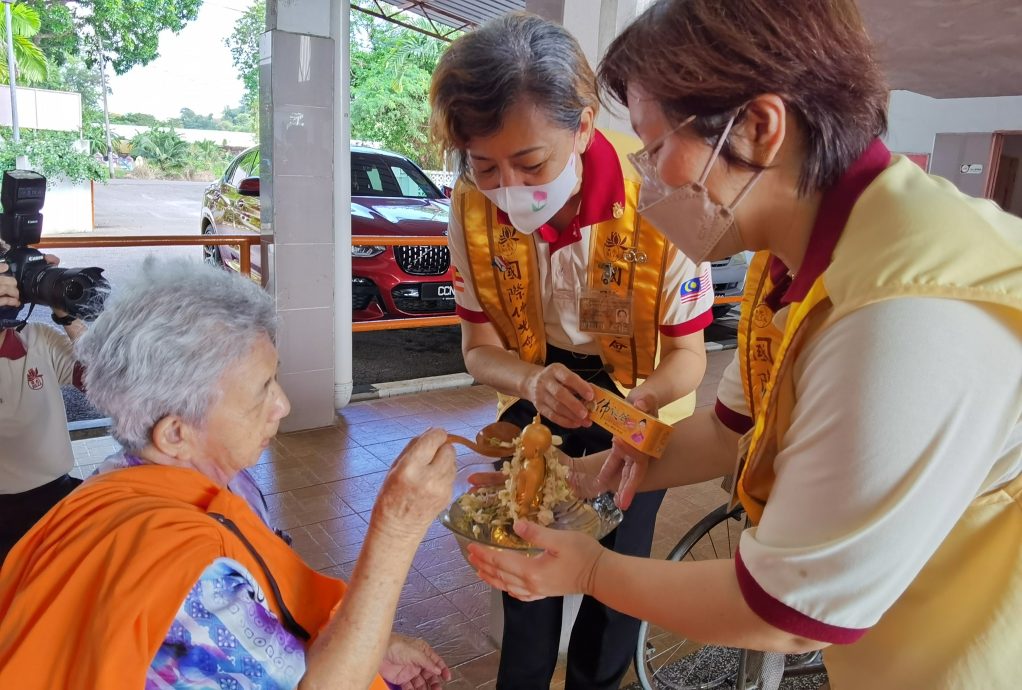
(691, 290)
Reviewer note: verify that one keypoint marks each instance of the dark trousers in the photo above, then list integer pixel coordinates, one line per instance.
(602, 640)
(19, 512)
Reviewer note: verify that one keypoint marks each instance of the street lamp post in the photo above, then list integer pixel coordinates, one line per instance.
(12, 69)
(106, 108)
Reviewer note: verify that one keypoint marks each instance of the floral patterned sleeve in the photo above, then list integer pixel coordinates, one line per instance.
(224, 637)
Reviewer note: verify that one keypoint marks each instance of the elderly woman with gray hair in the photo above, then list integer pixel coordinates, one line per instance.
(157, 574)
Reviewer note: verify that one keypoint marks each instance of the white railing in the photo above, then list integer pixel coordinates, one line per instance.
(441, 178)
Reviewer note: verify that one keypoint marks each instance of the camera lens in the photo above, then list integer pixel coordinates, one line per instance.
(78, 291)
(73, 290)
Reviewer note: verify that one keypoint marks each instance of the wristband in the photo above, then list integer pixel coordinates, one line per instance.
(63, 320)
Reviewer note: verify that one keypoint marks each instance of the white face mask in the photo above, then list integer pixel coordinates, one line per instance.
(697, 225)
(530, 206)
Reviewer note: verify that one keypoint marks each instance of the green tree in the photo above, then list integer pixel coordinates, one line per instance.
(391, 68)
(76, 76)
(237, 120)
(207, 157)
(244, 46)
(163, 148)
(192, 120)
(28, 57)
(141, 119)
(128, 29)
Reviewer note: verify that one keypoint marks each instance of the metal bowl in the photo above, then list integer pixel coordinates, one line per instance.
(597, 517)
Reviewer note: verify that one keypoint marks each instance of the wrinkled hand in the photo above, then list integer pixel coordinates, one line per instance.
(566, 566)
(559, 395)
(418, 486)
(9, 296)
(413, 665)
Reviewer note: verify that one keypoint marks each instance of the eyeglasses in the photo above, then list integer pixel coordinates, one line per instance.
(644, 160)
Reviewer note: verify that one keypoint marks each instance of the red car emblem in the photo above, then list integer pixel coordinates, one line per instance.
(35, 379)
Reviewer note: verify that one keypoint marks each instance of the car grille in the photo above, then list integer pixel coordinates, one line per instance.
(720, 264)
(724, 287)
(423, 261)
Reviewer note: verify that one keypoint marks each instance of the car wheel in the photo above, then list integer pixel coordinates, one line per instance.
(211, 252)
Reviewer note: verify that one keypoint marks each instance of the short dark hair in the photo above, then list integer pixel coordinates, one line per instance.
(708, 58)
(514, 58)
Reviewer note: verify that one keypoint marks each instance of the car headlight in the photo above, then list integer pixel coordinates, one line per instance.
(359, 251)
(739, 259)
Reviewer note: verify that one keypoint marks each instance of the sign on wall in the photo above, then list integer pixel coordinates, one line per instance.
(43, 109)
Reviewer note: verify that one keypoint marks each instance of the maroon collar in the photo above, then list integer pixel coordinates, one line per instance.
(13, 346)
(835, 208)
(603, 188)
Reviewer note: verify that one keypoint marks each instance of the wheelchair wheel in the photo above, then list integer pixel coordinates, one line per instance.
(666, 661)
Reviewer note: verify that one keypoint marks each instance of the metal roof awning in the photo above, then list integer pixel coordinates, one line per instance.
(445, 18)
(941, 48)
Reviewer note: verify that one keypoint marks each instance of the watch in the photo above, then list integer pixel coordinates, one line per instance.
(63, 320)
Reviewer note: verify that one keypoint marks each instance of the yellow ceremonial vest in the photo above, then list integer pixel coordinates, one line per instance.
(909, 235)
(505, 273)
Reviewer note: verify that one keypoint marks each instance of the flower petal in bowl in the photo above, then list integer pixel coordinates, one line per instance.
(597, 517)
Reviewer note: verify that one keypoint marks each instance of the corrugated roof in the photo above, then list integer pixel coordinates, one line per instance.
(459, 13)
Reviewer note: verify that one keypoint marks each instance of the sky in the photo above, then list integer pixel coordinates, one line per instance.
(194, 69)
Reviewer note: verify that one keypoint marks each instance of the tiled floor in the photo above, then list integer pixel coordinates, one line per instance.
(321, 485)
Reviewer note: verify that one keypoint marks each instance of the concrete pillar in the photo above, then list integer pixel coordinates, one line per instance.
(594, 29)
(297, 126)
(343, 370)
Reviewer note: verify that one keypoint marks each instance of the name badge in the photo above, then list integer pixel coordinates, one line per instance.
(605, 313)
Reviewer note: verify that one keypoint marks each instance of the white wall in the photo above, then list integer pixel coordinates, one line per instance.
(595, 26)
(915, 119)
(42, 109)
(236, 140)
(68, 207)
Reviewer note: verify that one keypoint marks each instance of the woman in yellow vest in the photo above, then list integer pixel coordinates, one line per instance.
(878, 378)
(157, 574)
(560, 286)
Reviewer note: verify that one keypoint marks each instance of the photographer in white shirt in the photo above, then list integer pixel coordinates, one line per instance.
(35, 449)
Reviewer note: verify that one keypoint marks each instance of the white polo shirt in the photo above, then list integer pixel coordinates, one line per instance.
(563, 275)
(34, 445)
(906, 411)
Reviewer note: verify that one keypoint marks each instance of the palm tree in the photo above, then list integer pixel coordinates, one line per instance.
(31, 66)
(163, 147)
(415, 51)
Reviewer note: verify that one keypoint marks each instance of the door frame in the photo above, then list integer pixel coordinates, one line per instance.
(995, 158)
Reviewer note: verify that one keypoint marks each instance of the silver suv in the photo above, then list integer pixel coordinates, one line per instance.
(729, 280)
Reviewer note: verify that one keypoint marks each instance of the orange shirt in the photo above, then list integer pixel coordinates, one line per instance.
(88, 596)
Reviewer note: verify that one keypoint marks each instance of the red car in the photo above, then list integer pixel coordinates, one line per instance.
(390, 195)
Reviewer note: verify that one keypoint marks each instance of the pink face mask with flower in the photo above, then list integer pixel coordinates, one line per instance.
(530, 206)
